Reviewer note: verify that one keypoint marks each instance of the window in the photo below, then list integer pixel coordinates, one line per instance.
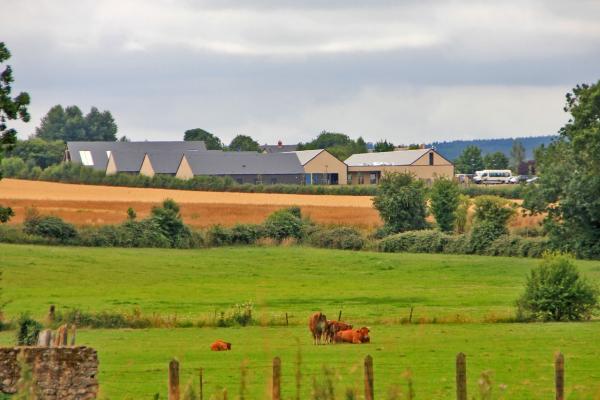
(86, 157)
(373, 178)
(349, 178)
(361, 179)
(431, 158)
(273, 181)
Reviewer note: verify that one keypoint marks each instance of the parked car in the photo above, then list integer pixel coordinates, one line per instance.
(518, 179)
(532, 180)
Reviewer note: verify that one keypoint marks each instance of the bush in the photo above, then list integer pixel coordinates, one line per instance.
(48, 226)
(246, 233)
(284, 223)
(218, 235)
(6, 213)
(401, 202)
(492, 214)
(427, 241)
(240, 314)
(458, 244)
(444, 202)
(28, 331)
(168, 220)
(555, 291)
(344, 238)
(462, 214)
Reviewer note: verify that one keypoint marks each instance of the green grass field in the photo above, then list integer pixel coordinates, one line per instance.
(370, 288)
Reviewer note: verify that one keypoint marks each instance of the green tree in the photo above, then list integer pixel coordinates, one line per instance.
(383, 146)
(555, 291)
(10, 108)
(338, 144)
(69, 124)
(569, 183)
(517, 155)
(243, 143)
(496, 160)
(469, 161)
(401, 202)
(492, 214)
(170, 223)
(36, 151)
(100, 126)
(444, 202)
(211, 141)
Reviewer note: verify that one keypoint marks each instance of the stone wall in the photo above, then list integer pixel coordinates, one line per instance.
(59, 373)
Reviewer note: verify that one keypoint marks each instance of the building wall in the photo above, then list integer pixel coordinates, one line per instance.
(184, 171)
(325, 163)
(269, 179)
(425, 172)
(437, 159)
(111, 167)
(146, 168)
(59, 373)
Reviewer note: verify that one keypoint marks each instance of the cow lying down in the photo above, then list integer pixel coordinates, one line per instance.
(220, 345)
(355, 336)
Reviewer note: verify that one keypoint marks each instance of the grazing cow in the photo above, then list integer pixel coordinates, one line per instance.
(220, 345)
(334, 327)
(355, 336)
(317, 324)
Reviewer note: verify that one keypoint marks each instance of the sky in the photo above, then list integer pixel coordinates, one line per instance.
(405, 71)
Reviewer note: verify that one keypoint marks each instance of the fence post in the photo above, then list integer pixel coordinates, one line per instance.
(368, 378)
(461, 376)
(174, 380)
(74, 334)
(276, 378)
(201, 386)
(411, 313)
(559, 375)
(340, 316)
(286, 320)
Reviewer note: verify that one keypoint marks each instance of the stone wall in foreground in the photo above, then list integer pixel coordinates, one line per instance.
(59, 373)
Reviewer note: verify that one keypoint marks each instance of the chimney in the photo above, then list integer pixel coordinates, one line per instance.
(279, 144)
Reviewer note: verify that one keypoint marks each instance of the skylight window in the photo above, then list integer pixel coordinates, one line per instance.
(108, 153)
(86, 157)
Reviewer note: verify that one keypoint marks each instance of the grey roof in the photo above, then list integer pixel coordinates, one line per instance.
(399, 157)
(243, 163)
(276, 148)
(167, 162)
(99, 150)
(306, 155)
(127, 161)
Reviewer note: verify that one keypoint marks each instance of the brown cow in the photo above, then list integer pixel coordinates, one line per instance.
(334, 327)
(317, 324)
(220, 345)
(355, 336)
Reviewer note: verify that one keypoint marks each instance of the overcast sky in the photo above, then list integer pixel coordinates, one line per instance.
(408, 71)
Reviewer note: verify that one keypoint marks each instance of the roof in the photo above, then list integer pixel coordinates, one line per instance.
(277, 148)
(167, 162)
(127, 161)
(243, 163)
(399, 157)
(99, 150)
(306, 155)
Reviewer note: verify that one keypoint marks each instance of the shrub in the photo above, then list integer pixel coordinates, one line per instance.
(48, 226)
(427, 241)
(28, 331)
(401, 202)
(6, 213)
(218, 235)
(555, 291)
(462, 214)
(239, 314)
(168, 219)
(444, 202)
(491, 217)
(13, 167)
(344, 238)
(246, 233)
(457, 244)
(284, 223)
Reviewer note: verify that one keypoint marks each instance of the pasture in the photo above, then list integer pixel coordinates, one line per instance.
(463, 295)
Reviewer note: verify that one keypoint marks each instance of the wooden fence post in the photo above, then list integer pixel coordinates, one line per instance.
(559, 375)
(411, 313)
(174, 380)
(201, 386)
(51, 313)
(286, 320)
(368, 378)
(276, 378)
(461, 376)
(74, 334)
(340, 316)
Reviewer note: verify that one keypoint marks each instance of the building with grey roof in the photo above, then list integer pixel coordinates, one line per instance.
(244, 167)
(278, 148)
(96, 154)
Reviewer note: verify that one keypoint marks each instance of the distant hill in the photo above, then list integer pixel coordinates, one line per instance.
(452, 149)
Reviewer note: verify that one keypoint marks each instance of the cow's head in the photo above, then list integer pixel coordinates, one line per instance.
(363, 334)
(228, 345)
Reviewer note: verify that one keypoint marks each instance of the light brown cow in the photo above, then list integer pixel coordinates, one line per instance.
(355, 336)
(317, 323)
(334, 327)
(220, 345)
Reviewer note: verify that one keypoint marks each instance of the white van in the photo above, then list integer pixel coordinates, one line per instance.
(492, 176)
